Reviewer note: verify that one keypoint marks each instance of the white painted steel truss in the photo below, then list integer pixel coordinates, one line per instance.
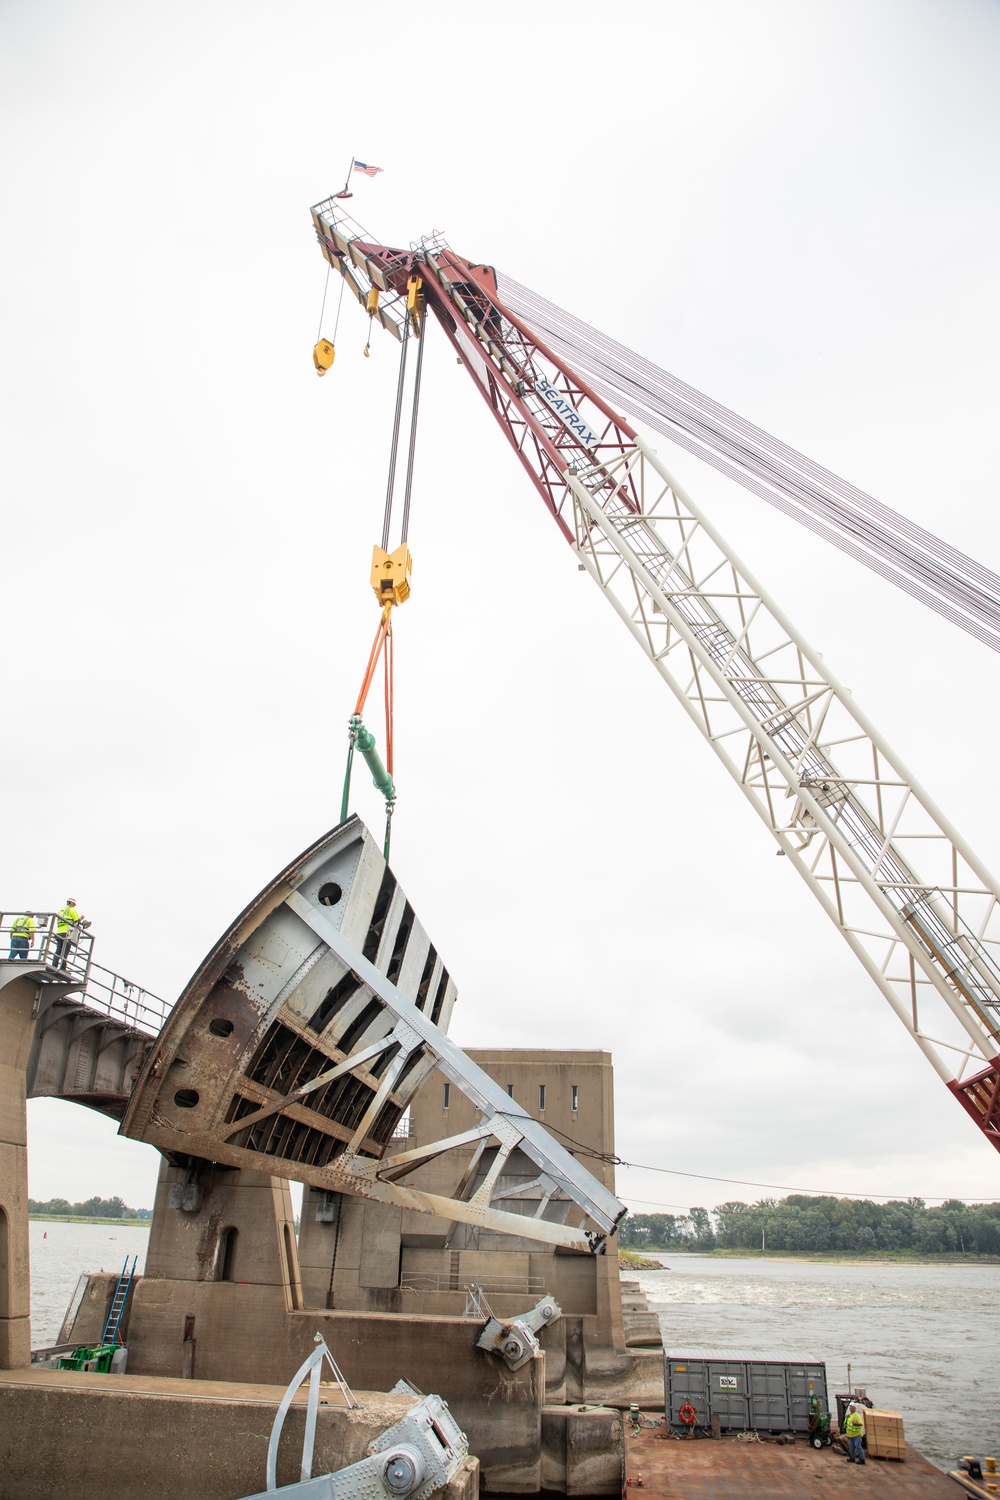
(911, 898)
(841, 806)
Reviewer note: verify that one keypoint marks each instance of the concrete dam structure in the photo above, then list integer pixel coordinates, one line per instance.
(310, 1045)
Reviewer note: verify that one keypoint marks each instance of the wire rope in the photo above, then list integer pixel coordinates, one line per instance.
(611, 1160)
(413, 431)
(394, 449)
(322, 309)
(340, 302)
(941, 577)
(687, 416)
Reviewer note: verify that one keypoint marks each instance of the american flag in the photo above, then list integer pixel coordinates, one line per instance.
(362, 166)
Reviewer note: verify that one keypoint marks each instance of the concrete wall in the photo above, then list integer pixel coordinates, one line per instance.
(244, 1333)
(94, 1436)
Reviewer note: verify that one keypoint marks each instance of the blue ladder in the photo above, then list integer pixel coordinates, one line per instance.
(118, 1301)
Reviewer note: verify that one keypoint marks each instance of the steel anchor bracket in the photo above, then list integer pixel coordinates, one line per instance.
(421, 1453)
(514, 1338)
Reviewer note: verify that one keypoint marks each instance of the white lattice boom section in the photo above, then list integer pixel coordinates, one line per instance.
(913, 901)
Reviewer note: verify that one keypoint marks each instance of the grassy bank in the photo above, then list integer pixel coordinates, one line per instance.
(79, 1219)
(632, 1262)
(836, 1257)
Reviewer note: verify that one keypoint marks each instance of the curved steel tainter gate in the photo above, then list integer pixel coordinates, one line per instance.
(300, 1041)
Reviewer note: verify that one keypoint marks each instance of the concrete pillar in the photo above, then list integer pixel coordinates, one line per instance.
(217, 1226)
(18, 991)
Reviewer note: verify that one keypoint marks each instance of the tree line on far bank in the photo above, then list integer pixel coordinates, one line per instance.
(801, 1224)
(90, 1208)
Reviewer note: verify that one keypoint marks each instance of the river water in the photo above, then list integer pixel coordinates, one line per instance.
(924, 1340)
(61, 1253)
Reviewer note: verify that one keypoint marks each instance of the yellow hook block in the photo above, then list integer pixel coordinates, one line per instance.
(390, 577)
(323, 356)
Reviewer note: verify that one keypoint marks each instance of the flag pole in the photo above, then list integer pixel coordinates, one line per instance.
(347, 184)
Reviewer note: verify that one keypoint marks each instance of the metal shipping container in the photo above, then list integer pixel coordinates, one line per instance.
(752, 1390)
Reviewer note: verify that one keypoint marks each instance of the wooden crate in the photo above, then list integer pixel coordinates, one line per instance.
(884, 1436)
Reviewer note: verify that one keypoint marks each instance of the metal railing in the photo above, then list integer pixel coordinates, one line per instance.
(126, 1001)
(431, 1281)
(69, 956)
(69, 951)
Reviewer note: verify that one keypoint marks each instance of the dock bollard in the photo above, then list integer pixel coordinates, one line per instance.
(991, 1473)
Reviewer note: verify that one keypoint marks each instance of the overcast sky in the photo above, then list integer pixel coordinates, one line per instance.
(791, 205)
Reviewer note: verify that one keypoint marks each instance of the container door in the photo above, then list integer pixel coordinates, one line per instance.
(804, 1382)
(769, 1397)
(727, 1394)
(686, 1385)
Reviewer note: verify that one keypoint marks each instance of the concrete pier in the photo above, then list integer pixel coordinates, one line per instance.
(28, 993)
(18, 1009)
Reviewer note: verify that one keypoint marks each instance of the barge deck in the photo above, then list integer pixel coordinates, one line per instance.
(727, 1469)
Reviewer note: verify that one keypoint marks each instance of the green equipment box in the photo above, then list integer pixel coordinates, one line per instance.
(85, 1358)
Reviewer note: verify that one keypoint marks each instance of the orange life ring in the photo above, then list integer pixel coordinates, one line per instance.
(688, 1415)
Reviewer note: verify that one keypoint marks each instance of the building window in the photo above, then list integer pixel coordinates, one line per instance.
(447, 1095)
(541, 1098)
(576, 1099)
(510, 1091)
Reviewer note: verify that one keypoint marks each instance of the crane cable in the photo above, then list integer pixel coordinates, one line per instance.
(394, 445)
(322, 306)
(924, 566)
(404, 530)
(610, 1159)
(325, 351)
(394, 588)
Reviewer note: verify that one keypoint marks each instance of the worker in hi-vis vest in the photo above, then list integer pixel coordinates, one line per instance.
(22, 935)
(68, 924)
(854, 1427)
